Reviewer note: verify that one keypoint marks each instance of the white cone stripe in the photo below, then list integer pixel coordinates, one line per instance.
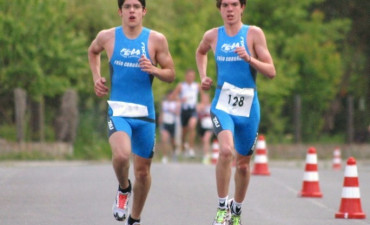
(311, 176)
(336, 160)
(351, 171)
(351, 192)
(336, 153)
(215, 146)
(260, 159)
(261, 145)
(311, 159)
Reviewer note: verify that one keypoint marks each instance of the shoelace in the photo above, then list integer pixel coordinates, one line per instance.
(221, 215)
(122, 200)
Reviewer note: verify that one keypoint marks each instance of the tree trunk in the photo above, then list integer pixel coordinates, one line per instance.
(66, 122)
(37, 119)
(350, 128)
(297, 119)
(20, 99)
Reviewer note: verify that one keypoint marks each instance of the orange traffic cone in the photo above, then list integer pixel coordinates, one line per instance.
(310, 187)
(350, 206)
(260, 159)
(337, 161)
(215, 152)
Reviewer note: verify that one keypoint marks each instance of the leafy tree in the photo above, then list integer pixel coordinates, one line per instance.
(41, 51)
(355, 51)
(307, 59)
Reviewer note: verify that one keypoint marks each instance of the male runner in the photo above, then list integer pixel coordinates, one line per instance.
(188, 92)
(240, 50)
(133, 52)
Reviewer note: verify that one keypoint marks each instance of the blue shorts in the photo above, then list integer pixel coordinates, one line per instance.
(243, 129)
(141, 132)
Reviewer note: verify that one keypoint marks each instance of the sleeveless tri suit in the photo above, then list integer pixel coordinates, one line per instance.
(235, 106)
(131, 102)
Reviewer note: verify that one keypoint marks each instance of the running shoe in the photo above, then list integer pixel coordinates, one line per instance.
(191, 153)
(164, 160)
(120, 206)
(206, 159)
(222, 216)
(235, 219)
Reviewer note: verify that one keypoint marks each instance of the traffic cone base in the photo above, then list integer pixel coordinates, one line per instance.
(262, 169)
(309, 190)
(355, 211)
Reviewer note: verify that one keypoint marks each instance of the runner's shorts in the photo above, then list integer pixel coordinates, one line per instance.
(243, 129)
(186, 114)
(141, 132)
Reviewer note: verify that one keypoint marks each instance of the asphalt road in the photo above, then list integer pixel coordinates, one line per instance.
(82, 193)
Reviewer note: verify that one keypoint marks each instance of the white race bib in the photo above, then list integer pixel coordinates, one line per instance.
(235, 101)
(168, 118)
(126, 109)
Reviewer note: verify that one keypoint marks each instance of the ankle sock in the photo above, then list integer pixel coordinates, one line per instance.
(131, 221)
(126, 190)
(222, 202)
(236, 207)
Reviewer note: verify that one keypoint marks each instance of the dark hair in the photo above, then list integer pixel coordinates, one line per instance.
(120, 3)
(242, 2)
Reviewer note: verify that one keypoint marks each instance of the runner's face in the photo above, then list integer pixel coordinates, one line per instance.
(132, 13)
(231, 11)
(190, 77)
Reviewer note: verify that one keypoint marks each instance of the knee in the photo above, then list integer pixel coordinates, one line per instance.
(243, 167)
(142, 174)
(120, 155)
(226, 152)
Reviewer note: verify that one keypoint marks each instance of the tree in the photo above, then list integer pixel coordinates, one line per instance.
(307, 59)
(41, 51)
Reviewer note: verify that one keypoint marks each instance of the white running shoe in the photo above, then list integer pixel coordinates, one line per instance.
(120, 206)
(164, 160)
(191, 153)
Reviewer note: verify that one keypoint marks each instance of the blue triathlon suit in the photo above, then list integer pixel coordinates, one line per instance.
(129, 84)
(233, 70)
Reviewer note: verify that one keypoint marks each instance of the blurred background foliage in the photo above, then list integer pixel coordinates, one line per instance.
(320, 50)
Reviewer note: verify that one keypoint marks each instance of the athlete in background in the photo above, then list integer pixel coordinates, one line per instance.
(188, 92)
(205, 125)
(170, 109)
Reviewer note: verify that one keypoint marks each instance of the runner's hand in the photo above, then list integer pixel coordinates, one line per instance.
(243, 54)
(100, 88)
(206, 83)
(146, 65)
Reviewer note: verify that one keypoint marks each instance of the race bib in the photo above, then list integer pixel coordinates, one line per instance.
(168, 118)
(235, 101)
(191, 99)
(126, 109)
